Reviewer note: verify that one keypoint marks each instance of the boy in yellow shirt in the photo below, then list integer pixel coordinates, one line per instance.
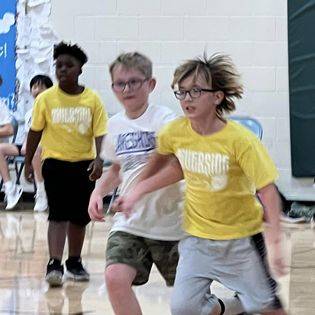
(224, 166)
(70, 121)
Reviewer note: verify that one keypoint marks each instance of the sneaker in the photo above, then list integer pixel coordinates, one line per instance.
(75, 271)
(54, 273)
(287, 219)
(13, 196)
(40, 202)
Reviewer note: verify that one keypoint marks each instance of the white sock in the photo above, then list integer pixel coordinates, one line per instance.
(40, 187)
(232, 306)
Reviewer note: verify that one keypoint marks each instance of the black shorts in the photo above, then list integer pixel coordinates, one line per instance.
(68, 190)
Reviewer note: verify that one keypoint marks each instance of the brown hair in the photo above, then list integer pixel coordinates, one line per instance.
(219, 72)
(133, 60)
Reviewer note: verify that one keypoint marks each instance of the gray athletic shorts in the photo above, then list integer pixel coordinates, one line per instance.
(239, 265)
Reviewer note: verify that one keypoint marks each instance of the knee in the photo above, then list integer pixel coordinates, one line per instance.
(182, 304)
(116, 280)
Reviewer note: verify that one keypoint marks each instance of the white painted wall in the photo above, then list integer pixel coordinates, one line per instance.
(253, 32)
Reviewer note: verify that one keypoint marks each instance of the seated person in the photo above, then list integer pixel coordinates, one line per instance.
(13, 192)
(6, 129)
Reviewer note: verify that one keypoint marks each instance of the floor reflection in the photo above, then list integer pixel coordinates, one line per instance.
(23, 258)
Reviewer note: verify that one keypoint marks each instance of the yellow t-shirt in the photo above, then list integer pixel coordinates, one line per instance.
(222, 173)
(69, 123)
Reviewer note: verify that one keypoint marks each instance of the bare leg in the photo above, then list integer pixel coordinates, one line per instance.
(56, 238)
(119, 278)
(76, 234)
(6, 149)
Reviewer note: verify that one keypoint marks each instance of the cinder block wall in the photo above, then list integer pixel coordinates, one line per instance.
(253, 32)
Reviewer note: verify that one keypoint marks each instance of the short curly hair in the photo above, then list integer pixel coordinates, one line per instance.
(219, 72)
(73, 50)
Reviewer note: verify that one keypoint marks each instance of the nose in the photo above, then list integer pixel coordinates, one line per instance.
(63, 68)
(188, 96)
(126, 88)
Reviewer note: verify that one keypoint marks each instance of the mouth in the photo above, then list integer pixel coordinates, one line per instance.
(189, 108)
(62, 75)
(130, 97)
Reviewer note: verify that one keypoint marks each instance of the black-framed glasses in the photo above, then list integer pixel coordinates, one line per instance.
(193, 93)
(133, 84)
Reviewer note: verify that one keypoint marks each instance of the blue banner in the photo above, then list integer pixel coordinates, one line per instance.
(7, 52)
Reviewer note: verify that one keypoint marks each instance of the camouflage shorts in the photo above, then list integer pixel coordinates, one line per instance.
(140, 253)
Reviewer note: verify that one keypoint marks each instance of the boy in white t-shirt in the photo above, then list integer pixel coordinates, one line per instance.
(13, 192)
(151, 235)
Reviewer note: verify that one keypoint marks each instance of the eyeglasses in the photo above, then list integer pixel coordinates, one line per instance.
(133, 85)
(193, 93)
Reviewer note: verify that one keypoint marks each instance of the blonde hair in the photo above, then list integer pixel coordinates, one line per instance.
(133, 60)
(219, 72)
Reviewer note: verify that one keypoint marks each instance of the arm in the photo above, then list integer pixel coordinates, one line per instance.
(271, 202)
(155, 163)
(152, 179)
(107, 183)
(33, 139)
(6, 130)
(97, 165)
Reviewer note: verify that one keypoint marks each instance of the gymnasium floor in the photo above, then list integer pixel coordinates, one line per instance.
(23, 258)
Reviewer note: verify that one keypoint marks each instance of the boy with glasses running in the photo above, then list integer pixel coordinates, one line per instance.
(224, 166)
(149, 236)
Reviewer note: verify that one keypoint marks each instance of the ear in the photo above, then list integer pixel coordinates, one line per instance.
(152, 84)
(219, 96)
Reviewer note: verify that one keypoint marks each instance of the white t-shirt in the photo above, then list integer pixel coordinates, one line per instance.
(130, 142)
(5, 118)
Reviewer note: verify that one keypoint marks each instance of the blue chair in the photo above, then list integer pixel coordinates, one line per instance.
(250, 123)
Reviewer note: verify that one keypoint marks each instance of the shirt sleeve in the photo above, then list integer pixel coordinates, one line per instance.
(163, 141)
(38, 114)
(100, 119)
(5, 117)
(257, 164)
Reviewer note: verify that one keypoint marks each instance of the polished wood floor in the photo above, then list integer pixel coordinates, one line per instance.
(23, 258)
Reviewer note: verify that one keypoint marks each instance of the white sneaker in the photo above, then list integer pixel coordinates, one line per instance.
(40, 202)
(13, 196)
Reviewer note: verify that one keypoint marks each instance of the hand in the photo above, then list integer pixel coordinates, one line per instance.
(126, 204)
(277, 260)
(97, 169)
(276, 253)
(95, 207)
(29, 172)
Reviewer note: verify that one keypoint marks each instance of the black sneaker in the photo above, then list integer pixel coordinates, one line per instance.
(75, 271)
(54, 273)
